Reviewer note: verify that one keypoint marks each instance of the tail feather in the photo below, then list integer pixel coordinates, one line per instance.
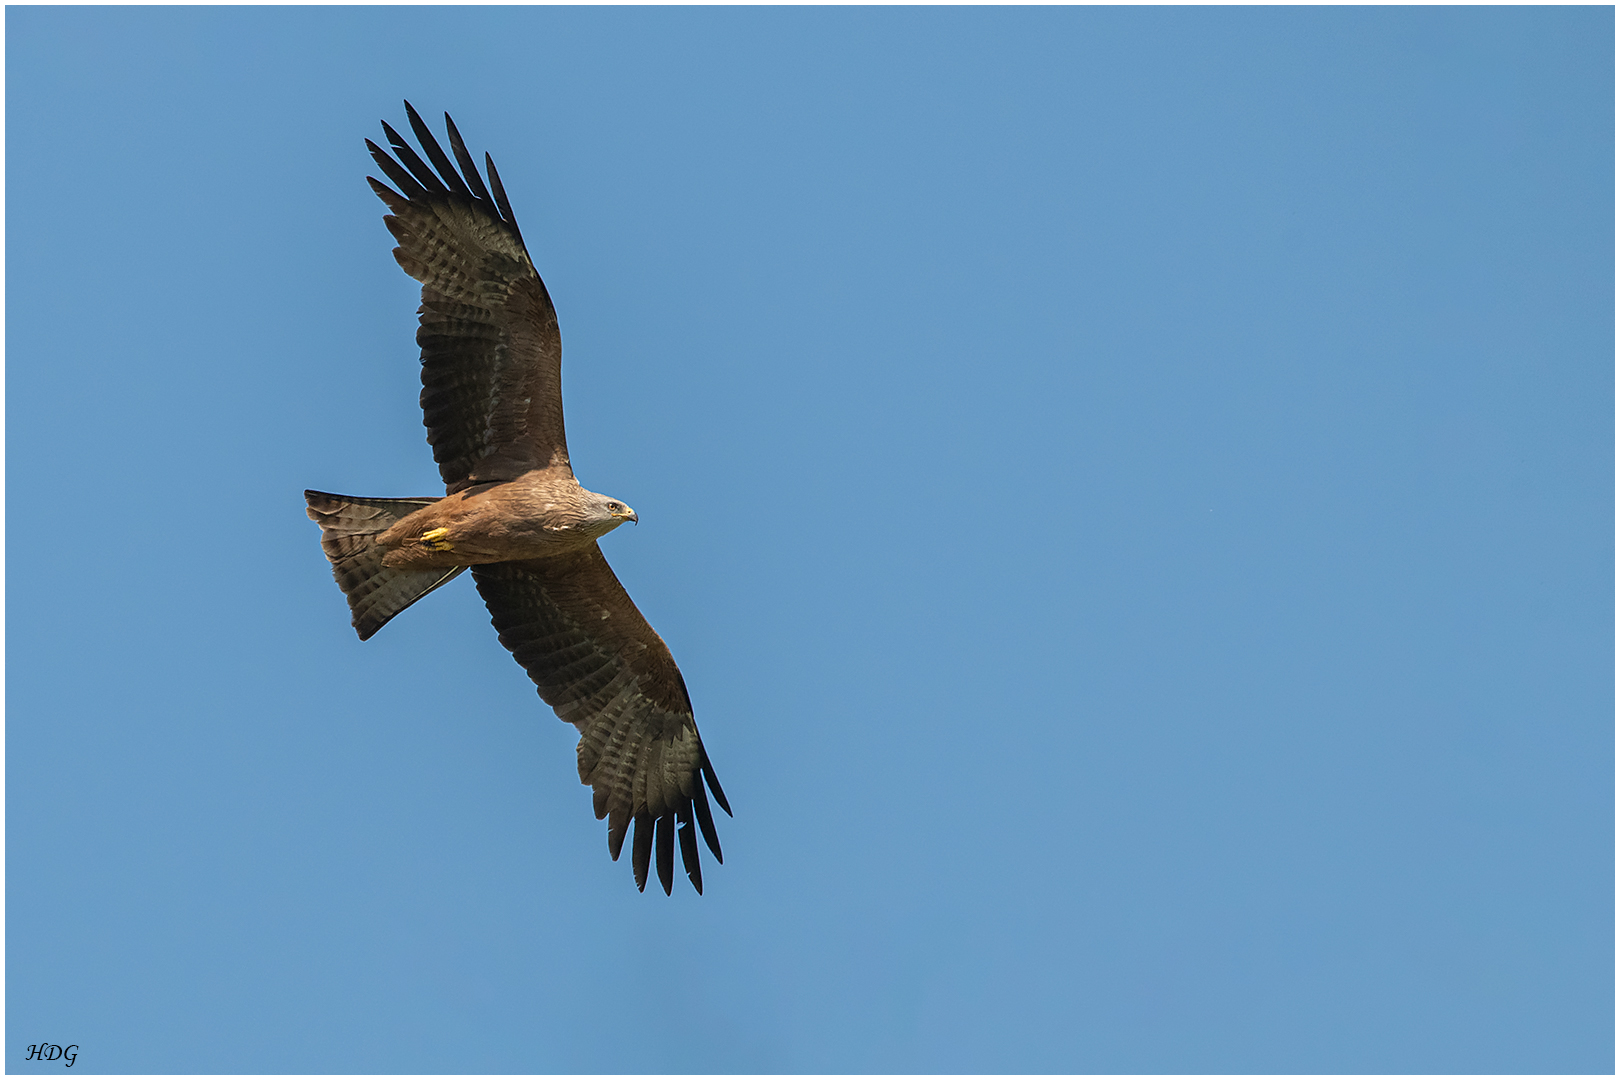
(349, 529)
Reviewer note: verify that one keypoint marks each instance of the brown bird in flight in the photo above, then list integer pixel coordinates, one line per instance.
(513, 512)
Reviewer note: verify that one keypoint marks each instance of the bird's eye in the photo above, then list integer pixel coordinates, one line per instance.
(614, 508)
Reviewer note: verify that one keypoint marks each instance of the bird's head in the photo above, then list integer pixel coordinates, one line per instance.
(608, 514)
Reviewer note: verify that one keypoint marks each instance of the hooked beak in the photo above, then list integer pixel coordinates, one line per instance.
(628, 515)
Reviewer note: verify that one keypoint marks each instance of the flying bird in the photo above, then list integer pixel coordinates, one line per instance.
(514, 514)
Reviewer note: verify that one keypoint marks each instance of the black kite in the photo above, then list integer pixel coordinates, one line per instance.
(513, 512)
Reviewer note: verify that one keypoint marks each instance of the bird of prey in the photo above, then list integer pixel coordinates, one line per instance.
(513, 512)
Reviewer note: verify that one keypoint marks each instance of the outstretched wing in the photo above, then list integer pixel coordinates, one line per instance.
(574, 629)
(491, 351)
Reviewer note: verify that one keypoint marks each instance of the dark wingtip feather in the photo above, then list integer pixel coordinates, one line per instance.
(700, 802)
(430, 146)
(384, 192)
(416, 124)
(618, 824)
(714, 786)
(391, 168)
(641, 849)
(689, 849)
(469, 168)
(500, 192)
(666, 853)
(408, 158)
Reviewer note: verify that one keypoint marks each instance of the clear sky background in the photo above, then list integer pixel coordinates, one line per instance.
(1130, 491)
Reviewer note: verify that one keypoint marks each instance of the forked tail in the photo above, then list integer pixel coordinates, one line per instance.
(349, 529)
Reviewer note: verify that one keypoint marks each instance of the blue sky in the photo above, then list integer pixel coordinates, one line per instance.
(1130, 491)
